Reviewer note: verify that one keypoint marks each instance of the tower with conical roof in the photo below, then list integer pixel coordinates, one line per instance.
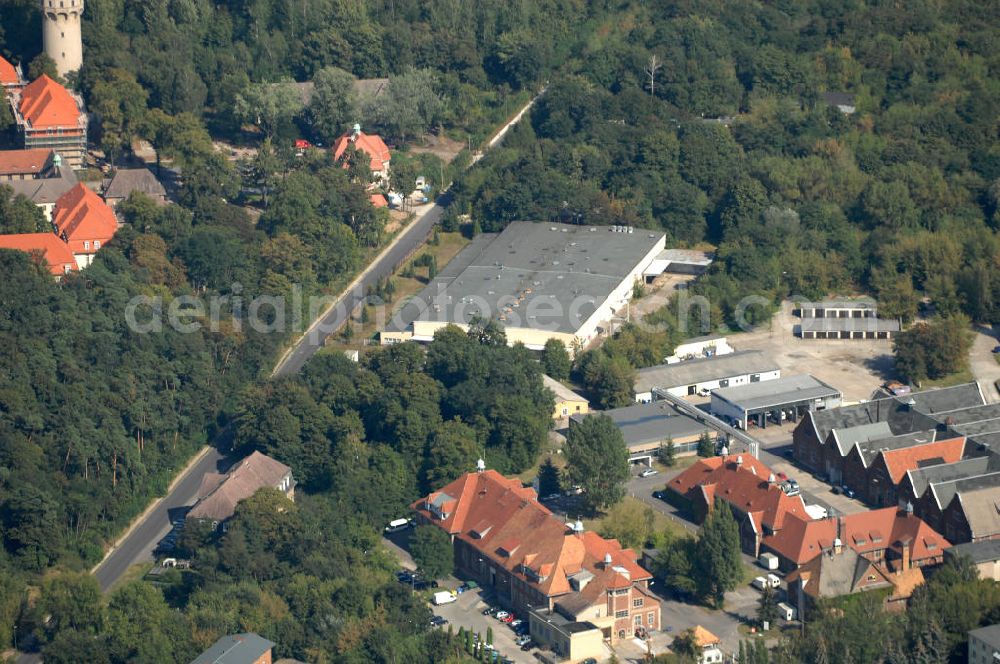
(61, 35)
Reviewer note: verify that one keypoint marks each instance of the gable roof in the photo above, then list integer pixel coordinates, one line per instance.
(127, 180)
(837, 574)
(742, 481)
(47, 246)
(704, 638)
(245, 648)
(46, 104)
(982, 510)
(81, 216)
(944, 492)
(8, 73)
(370, 144)
(900, 461)
(863, 532)
(561, 392)
(219, 494)
(25, 162)
(47, 190)
(849, 437)
(504, 521)
(919, 479)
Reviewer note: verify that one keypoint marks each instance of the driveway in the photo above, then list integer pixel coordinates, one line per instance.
(983, 362)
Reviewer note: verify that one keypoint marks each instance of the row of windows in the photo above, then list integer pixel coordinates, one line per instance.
(650, 617)
(86, 245)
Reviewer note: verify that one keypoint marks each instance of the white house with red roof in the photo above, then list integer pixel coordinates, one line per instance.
(50, 117)
(371, 144)
(44, 248)
(84, 222)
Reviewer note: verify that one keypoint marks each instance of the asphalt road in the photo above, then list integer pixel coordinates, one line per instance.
(412, 237)
(139, 543)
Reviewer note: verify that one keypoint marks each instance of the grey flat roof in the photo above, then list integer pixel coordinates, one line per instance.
(775, 393)
(650, 422)
(840, 303)
(701, 370)
(982, 551)
(849, 325)
(536, 275)
(687, 256)
(989, 635)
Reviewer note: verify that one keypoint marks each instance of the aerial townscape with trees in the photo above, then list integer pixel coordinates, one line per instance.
(279, 153)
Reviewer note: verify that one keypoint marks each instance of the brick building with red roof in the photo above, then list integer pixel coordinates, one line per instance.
(25, 164)
(544, 569)
(371, 144)
(85, 222)
(875, 469)
(44, 248)
(50, 117)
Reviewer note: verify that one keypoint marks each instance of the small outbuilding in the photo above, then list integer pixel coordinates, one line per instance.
(782, 399)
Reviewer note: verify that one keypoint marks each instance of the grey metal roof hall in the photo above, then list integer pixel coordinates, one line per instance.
(983, 551)
(235, 649)
(650, 422)
(989, 635)
(537, 275)
(703, 370)
(775, 393)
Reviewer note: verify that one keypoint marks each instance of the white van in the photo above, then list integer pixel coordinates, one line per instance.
(444, 597)
(398, 524)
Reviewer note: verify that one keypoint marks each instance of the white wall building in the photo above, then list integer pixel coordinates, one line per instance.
(696, 376)
(707, 346)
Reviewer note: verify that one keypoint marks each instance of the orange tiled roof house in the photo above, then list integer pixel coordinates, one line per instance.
(564, 579)
(50, 117)
(372, 145)
(85, 222)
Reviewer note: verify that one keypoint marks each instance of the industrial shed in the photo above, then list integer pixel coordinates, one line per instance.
(848, 328)
(785, 398)
(647, 426)
(710, 373)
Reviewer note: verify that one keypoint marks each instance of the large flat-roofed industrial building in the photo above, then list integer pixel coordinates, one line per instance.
(647, 426)
(539, 280)
(789, 398)
(693, 376)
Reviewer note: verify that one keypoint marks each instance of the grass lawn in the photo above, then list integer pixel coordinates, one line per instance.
(957, 378)
(449, 244)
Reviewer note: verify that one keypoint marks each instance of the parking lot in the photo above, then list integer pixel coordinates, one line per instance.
(467, 611)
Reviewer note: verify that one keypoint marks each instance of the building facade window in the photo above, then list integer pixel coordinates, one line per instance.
(86, 244)
(638, 620)
(621, 614)
(637, 602)
(651, 618)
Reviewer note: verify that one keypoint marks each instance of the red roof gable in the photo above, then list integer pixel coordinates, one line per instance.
(741, 481)
(898, 462)
(82, 218)
(46, 104)
(8, 74)
(28, 162)
(505, 522)
(45, 246)
(370, 144)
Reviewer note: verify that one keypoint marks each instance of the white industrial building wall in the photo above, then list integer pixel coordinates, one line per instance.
(682, 390)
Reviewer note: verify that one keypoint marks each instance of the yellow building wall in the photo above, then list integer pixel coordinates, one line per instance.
(587, 644)
(569, 407)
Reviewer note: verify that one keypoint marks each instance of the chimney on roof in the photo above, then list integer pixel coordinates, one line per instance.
(577, 527)
(607, 561)
(356, 131)
(724, 452)
(904, 546)
(770, 478)
(739, 461)
(908, 509)
(480, 465)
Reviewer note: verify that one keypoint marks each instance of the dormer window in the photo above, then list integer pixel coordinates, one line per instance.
(86, 245)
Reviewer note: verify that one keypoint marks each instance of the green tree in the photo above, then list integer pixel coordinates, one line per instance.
(685, 645)
(411, 105)
(142, 627)
(452, 451)
(333, 107)
(20, 215)
(598, 460)
(119, 103)
(548, 478)
(767, 611)
(555, 359)
(706, 448)
(718, 567)
(43, 64)
(487, 331)
(72, 601)
(933, 349)
(667, 453)
(432, 551)
(609, 380)
(269, 105)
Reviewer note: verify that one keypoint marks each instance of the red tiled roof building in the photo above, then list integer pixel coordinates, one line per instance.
(10, 76)
(50, 117)
(535, 563)
(371, 144)
(85, 222)
(44, 248)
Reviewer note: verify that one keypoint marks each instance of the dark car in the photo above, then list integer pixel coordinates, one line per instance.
(835, 490)
(847, 491)
(424, 584)
(438, 621)
(528, 646)
(996, 349)
(660, 495)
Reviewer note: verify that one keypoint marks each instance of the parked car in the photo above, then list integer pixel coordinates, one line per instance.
(996, 349)
(791, 487)
(501, 615)
(438, 621)
(508, 619)
(521, 640)
(847, 491)
(835, 490)
(423, 584)
(649, 472)
(522, 629)
(514, 624)
(529, 645)
(660, 495)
